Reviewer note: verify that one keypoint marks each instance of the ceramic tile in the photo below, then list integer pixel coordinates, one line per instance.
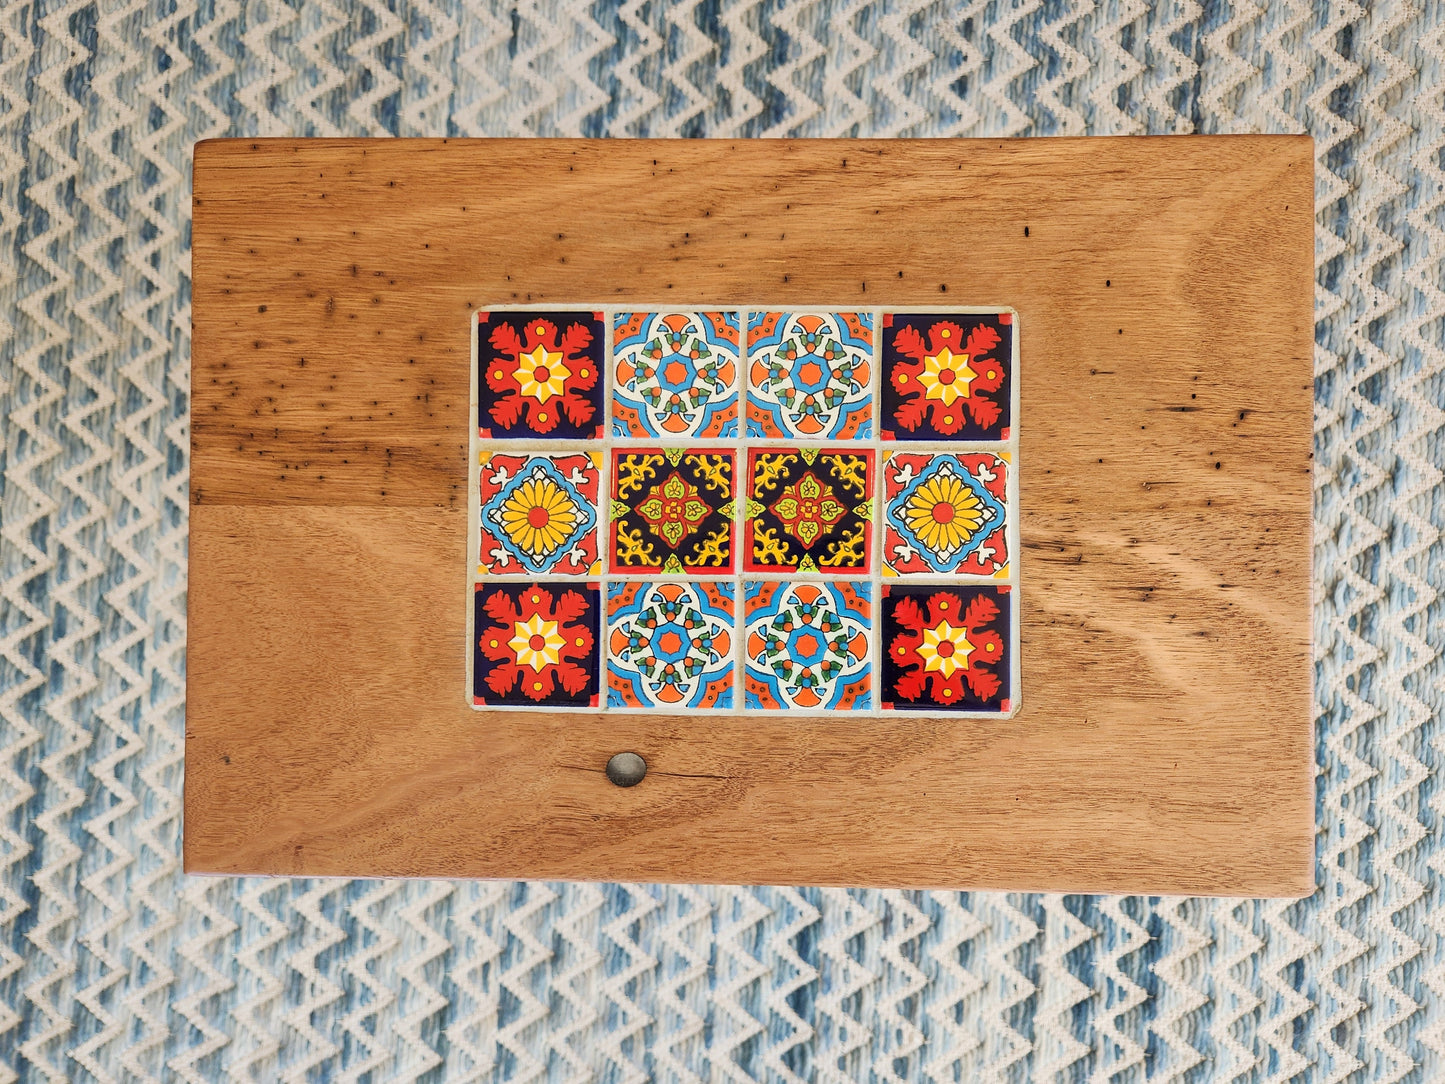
(946, 376)
(539, 514)
(675, 374)
(946, 648)
(536, 644)
(808, 645)
(810, 375)
(672, 510)
(945, 514)
(810, 510)
(670, 645)
(539, 374)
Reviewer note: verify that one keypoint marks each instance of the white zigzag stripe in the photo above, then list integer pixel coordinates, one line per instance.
(790, 973)
(577, 984)
(203, 950)
(624, 1043)
(688, 936)
(1421, 448)
(314, 1047)
(746, 46)
(845, 978)
(48, 988)
(1119, 1051)
(905, 56)
(1067, 120)
(1057, 1050)
(20, 619)
(952, 1049)
(261, 967)
(1012, 931)
(1235, 998)
(474, 942)
(899, 1036)
(736, 971)
(373, 998)
(519, 923)
(423, 998)
(1179, 969)
(1162, 81)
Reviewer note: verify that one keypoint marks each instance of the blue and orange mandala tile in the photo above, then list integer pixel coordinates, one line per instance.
(946, 648)
(808, 646)
(946, 377)
(670, 645)
(675, 374)
(809, 510)
(536, 644)
(539, 374)
(945, 514)
(539, 514)
(672, 511)
(810, 375)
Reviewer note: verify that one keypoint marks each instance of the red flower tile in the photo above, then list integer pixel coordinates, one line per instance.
(539, 374)
(946, 377)
(537, 644)
(946, 648)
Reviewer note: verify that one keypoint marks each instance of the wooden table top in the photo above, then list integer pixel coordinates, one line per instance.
(1165, 296)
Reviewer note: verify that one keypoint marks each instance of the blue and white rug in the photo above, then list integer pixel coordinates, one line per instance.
(113, 966)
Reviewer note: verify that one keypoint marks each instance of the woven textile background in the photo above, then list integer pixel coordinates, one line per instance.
(114, 966)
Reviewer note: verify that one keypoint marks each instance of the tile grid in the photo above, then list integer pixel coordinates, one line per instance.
(608, 444)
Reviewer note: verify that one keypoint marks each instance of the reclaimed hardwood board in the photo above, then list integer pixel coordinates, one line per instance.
(1165, 291)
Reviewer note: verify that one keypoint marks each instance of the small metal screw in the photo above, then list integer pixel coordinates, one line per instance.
(626, 769)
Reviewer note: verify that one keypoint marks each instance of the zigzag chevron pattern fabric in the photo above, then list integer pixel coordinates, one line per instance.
(115, 967)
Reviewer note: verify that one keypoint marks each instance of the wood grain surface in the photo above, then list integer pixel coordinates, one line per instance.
(1165, 295)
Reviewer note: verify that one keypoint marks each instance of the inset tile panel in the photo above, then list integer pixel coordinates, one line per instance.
(946, 377)
(539, 514)
(946, 648)
(670, 645)
(536, 644)
(672, 511)
(539, 374)
(746, 510)
(808, 645)
(810, 375)
(675, 374)
(810, 510)
(945, 514)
